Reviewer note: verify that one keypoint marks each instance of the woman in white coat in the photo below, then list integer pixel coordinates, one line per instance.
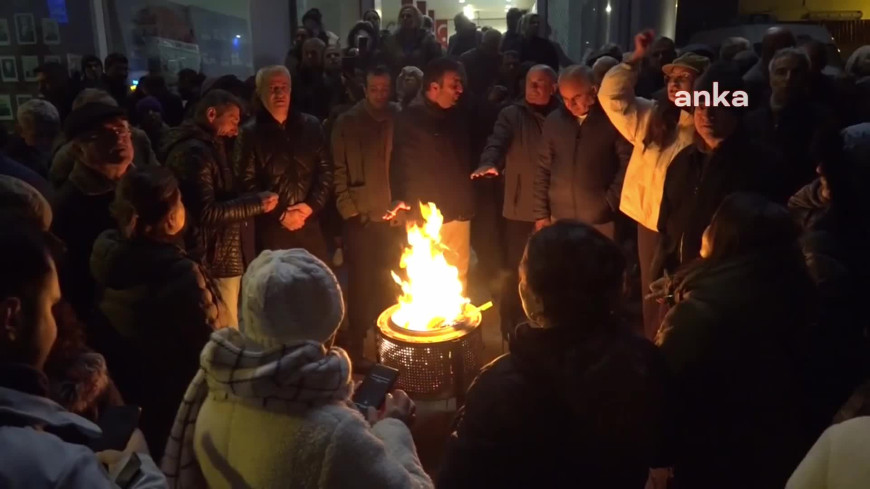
(658, 130)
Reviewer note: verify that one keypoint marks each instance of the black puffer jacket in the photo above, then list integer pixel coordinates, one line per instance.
(561, 412)
(160, 306)
(290, 159)
(215, 210)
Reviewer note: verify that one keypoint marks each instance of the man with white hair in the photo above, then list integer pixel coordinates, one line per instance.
(511, 150)
(582, 158)
(38, 127)
(284, 151)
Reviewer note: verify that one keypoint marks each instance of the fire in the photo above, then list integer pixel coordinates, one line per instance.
(432, 295)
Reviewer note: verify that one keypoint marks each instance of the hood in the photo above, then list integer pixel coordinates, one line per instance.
(185, 132)
(121, 263)
(809, 198)
(858, 64)
(33, 410)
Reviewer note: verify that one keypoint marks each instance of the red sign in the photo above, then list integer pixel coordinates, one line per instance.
(441, 31)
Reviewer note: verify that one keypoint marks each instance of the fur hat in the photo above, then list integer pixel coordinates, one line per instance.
(289, 296)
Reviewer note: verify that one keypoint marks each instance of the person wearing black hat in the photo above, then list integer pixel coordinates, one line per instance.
(100, 133)
(722, 160)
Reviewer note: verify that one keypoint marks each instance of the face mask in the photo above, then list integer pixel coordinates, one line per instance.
(532, 306)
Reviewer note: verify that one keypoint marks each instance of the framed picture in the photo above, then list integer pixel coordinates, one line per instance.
(21, 99)
(73, 63)
(52, 58)
(8, 69)
(5, 35)
(29, 64)
(50, 32)
(25, 29)
(6, 113)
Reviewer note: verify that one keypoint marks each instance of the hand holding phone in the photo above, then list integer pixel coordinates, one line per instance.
(397, 405)
(374, 388)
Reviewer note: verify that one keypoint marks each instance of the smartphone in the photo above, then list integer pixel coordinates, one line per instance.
(363, 44)
(118, 424)
(348, 65)
(129, 472)
(374, 388)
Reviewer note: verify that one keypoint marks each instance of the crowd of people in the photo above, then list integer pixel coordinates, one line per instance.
(680, 288)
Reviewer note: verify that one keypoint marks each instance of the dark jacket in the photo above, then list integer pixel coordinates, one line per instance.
(792, 133)
(481, 69)
(756, 81)
(362, 143)
(421, 48)
(33, 158)
(12, 168)
(513, 149)
(290, 159)
(215, 211)
(580, 168)
(312, 92)
(431, 160)
(460, 43)
(81, 213)
(159, 304)
(729, 344)
(540, 51)
(698, 181)
(550, 414)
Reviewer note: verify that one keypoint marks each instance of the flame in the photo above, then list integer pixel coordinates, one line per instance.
(432, 295)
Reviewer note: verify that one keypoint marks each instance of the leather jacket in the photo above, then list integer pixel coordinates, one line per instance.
(216, 211)
(290, 159)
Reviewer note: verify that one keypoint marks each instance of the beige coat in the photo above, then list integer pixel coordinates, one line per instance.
(645, 177)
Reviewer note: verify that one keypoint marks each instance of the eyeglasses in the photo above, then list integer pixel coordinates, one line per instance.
(110, 132)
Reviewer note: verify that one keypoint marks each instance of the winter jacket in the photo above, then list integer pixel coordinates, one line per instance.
(362, 143)
(160, 306)
(282, 417)
(481, 69)
(513, 149)
(525, 406)
(81, 212)
(460, 43)
(792, 132)
(580, 168)
(730, 345)
(539, 51)
(698, 181)
(313, 94)
(808, 205)
(64, 159)
(290, 159)
(215, 210)
(12, 168)
(756, 81)
(431, 159)
(644, 183)
(42, 444)
(838, 460)
(36, 159)
(422, 49)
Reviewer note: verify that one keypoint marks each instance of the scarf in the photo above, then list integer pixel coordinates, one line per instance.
(299, 376)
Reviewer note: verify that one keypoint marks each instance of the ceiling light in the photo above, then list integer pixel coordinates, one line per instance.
(607, 9)
(468, 10)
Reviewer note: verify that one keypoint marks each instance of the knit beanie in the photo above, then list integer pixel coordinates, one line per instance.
(289, 296)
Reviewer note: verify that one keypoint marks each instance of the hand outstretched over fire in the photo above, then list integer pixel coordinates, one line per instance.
(396, 405)
(395, 207)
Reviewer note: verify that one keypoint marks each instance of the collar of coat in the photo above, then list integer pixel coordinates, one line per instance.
(421, 102)
(547, 110)
(20, 408)
(89, 181)
(263, 116)
(363, 107)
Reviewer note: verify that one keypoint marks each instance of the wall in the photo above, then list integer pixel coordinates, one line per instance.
(792, 10)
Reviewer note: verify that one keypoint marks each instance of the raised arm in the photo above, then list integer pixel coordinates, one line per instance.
(628, 112)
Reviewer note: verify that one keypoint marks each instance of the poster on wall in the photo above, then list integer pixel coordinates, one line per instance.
(6, 113)
(8, 69)
(51, 58)
(5, 36)
(21, 99)
(25, 29)
(50, 32)
(73, 63)
(29, 64)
